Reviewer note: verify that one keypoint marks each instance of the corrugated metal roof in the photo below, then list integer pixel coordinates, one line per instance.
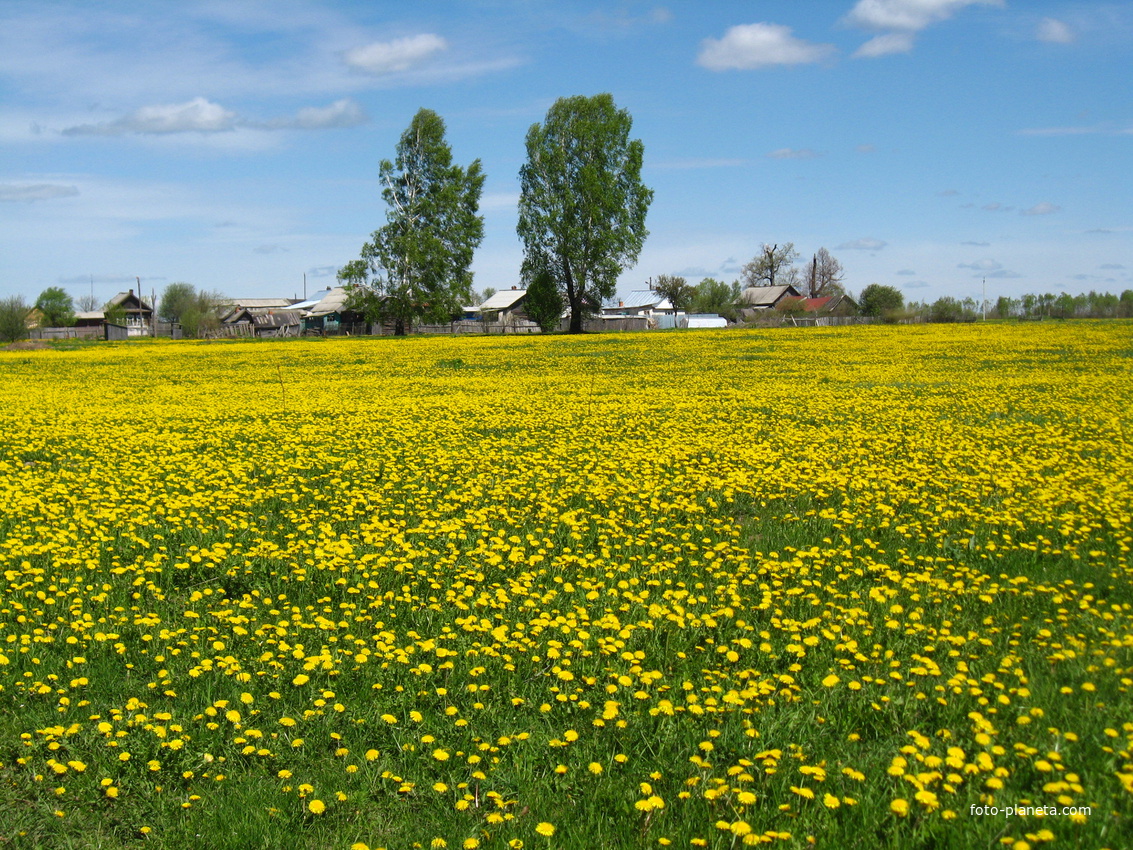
(503, 299)
(645, 298)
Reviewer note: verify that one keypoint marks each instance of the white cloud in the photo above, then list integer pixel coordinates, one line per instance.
(866, 243)
(204, 117)
(28, 192)
(898, 21)
(987, 265)
(1054, 31)
(885, 45)
(762, 45)
(1045, 208)
(195, 116)
(793, 153)
(907, 15)
(341, 113)
(391, 57)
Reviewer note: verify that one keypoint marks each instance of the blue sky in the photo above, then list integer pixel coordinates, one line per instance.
(928, 144)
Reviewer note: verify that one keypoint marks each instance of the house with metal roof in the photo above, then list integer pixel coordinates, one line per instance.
(641, 302)
(507, 305)
(330, 314)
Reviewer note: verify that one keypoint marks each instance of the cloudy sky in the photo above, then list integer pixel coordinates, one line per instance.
(234, 144)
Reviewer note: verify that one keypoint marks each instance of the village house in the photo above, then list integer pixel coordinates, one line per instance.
(507, 306)
(754, 300)
(839, 304)
(134, 313)
(641, 302)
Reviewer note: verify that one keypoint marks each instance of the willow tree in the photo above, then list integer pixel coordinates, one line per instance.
(417, 267)
(582, 204)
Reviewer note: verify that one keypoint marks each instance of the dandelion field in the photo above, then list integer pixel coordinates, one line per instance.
(714, 589)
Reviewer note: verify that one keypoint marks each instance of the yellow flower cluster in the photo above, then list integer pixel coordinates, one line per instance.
(716, 587)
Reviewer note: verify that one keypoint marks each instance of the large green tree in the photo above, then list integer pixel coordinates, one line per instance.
(417, 266)
(177, 299)
(57, 307)
(878, 300)
(195, 310)
(715, 296)
(582, 204)
(676, 289)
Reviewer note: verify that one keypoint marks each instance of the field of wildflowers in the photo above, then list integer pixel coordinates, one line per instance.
(833, 586)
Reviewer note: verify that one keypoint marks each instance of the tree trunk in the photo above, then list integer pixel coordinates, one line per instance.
(574, 298)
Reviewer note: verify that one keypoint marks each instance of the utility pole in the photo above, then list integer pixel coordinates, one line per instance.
(984, 304)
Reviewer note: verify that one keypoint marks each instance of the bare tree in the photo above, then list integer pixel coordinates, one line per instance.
(823, 275)
(771, 266)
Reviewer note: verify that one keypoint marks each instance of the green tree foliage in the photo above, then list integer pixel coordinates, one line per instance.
(947, 309)
(57, 308)
(417, 266)
(13, 318)
(772, 266)
(1125, 304)
(676, 289)
(177, 299)
(582, 205)
(715, 296)
(196, 310)
(878, 300)
(544, 301)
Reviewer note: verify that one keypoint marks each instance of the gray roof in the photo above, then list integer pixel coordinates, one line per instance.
(765, 296)
(333, 302)
(123, 297)
(645, 298)
(278, 319)
(503, 299)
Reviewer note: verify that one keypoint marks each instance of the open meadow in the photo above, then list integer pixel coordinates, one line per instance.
(711, 589)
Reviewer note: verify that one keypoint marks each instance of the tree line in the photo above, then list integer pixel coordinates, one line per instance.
(197, 311)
